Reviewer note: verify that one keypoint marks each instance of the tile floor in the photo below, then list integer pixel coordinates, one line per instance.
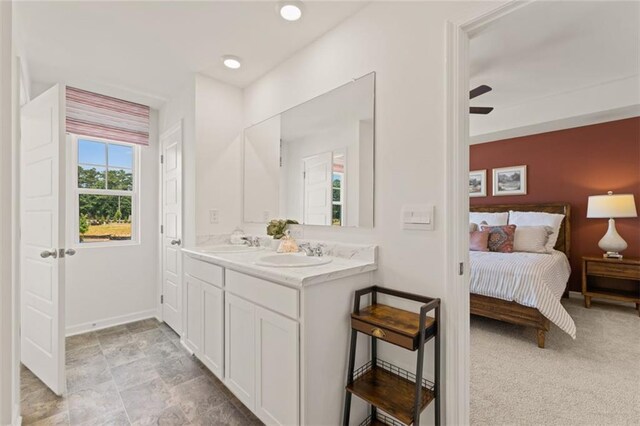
(133, 374)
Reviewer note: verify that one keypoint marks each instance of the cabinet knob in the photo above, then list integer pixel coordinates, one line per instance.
(376, 332)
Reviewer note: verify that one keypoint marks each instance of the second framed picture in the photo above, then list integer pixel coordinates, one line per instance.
(510, 181)
(478, 183)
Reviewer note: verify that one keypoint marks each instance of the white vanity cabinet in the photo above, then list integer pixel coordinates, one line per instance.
(280, 348)
(204, 301)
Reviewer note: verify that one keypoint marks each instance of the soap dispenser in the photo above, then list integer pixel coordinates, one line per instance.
(288, 244)
(237, 236)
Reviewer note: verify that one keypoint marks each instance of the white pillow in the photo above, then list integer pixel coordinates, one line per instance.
(492, 219)
(539, 219)
(532, 239)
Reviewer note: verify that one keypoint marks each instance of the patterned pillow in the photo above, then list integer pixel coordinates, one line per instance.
(479, 241)
(501, 238)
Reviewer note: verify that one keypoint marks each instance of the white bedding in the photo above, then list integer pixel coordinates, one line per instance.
(530, 279)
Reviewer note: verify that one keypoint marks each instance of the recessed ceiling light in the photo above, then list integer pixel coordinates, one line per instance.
(231, 61)
(290, 10)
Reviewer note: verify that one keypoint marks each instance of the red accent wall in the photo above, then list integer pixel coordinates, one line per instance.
(568, 166)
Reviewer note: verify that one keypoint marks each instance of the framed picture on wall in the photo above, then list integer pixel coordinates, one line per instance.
(478, 183)
(510, 181)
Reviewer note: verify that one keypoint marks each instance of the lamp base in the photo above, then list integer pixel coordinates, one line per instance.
(612, 255)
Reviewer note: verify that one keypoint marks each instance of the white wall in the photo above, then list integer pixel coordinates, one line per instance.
(218, 133)
(6, 286)
(110, 285)
(404, 43)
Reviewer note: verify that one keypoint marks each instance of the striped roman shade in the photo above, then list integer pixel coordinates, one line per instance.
(91, 114)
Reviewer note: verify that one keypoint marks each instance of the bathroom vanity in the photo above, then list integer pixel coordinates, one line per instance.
(277, 337)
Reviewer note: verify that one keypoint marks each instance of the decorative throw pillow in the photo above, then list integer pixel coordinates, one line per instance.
(532, 239)
(501, 238)
(479, 241)
(473, 227)
(553, 220)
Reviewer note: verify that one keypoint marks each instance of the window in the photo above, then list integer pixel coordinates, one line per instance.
(338, 198)
(105, 191)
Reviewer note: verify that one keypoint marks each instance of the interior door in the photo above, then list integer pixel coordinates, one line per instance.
(42, 217)
(171, 298)
(317, 189)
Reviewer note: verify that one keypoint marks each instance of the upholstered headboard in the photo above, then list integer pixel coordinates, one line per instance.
(564, 238)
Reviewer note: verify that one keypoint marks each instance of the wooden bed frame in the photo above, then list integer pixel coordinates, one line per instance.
(513, 312)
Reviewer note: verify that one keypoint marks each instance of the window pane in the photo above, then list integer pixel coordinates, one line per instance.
(120, 156)
(337, 215)
(121, 179)
(91, 152)
(91, 177)
(104, 218)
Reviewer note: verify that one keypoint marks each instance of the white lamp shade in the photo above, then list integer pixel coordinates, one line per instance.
(611, 206)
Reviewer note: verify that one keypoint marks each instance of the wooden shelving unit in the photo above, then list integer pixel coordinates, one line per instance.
(399, 393)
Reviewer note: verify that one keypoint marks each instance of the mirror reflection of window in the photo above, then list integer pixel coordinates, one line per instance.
(338, 190)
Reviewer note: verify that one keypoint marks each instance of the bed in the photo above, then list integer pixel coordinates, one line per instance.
(510, 297)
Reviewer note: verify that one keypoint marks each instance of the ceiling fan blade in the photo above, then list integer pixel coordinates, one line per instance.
(480, 110)
(480, 90)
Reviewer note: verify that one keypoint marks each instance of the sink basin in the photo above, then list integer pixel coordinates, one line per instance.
(229, 248)
(291, 261)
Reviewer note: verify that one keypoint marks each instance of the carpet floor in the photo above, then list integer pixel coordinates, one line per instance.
(592, 380)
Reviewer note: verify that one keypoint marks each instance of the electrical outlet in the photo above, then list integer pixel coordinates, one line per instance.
(214, 216)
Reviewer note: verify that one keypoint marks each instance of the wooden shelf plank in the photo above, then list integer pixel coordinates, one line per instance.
(393, 319)
(390, 393)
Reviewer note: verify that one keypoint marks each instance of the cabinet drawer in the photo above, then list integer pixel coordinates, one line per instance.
(620, 270)
(386, 335)
(207, 272)
(265, 293)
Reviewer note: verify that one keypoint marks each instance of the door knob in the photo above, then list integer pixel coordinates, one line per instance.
(176, 242)
(70, 252)
(53, 253)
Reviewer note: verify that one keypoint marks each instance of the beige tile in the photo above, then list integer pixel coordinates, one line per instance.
(83, 355)
(172, 416)
(60, 419)
(81, 341)
(163, 351)
(94, 402)
(116, 418)
(146, 401)
(149, 338)
(196, 397)
(169, 332)
(224, 414)
(118, 338)
(29, 382)
(144, 325)
(93, 371)
(174, 371)
(41, 405)
(116, 329)
(133, 373)
(122, 354)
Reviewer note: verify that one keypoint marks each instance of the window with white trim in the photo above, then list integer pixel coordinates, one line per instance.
(106, 191)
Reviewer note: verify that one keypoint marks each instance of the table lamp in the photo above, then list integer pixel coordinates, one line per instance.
(612, 206)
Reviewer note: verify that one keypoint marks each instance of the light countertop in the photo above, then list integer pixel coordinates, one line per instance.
(346, 260)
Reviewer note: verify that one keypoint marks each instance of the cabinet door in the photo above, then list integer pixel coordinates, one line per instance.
(213, 329)
(193, 302)
(239, 349)
(277, 369)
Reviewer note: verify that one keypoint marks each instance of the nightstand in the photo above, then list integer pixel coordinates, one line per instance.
(614, 279)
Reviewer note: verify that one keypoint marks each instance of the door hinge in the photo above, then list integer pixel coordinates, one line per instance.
(304, 175)
(461, 269)
(161, 299)
(162, 159)
(162, 229)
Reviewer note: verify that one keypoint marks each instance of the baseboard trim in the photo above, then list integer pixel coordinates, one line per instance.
(16, 417)
(110, 322)
(184, 345)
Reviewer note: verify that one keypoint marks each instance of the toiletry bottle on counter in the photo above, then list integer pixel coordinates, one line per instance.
(288, 244)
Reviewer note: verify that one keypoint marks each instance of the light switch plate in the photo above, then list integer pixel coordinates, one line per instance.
(214, 216)
(418, 217)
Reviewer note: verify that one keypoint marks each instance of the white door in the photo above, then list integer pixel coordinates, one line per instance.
(317, 189)
(213, 329)
(193, 303)
(239, 346)
(277, 369)
(171, 298)
(42, 217)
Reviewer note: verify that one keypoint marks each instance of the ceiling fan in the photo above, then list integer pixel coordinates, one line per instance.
(480, 90)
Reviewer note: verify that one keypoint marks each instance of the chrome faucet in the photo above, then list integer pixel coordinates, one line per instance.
(252, 241)
(317, 250)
